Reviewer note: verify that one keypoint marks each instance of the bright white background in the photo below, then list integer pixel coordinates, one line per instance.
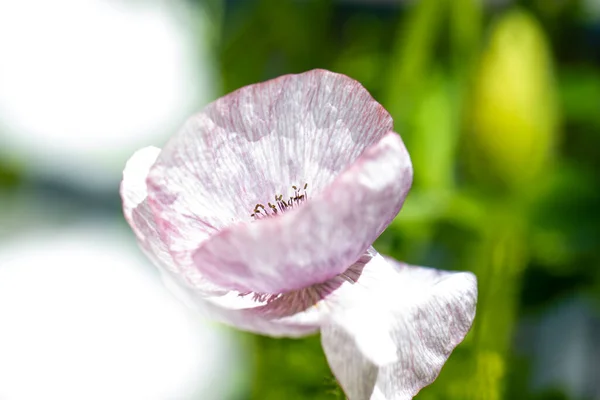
(83, 315)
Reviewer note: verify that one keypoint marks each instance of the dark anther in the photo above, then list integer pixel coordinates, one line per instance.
(280, 205)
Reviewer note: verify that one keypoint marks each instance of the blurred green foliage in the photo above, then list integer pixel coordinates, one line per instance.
(500, 113)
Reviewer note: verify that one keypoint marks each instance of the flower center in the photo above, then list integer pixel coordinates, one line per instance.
(281, 205)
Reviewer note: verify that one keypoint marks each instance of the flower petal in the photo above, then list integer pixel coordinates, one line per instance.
(136, 209)
(133, 185)
(135, 205)
(292, 314)
(255, 143)
(318, 240)
(225, 309)
(139, 216)
(417, 314)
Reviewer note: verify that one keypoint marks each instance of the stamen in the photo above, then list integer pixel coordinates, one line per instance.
(281, 205)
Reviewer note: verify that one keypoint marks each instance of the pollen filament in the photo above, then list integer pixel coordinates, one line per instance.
(280, 204)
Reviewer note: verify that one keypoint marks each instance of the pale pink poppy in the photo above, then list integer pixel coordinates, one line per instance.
(262, 211)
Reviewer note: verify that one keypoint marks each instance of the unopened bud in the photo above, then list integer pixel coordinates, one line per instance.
(513, 114)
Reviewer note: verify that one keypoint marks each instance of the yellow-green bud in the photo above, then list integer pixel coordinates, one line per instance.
(513, 113)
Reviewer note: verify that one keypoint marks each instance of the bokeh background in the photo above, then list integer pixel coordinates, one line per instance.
(498, 102)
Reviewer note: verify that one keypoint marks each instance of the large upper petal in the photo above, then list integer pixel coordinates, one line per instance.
(253, 144)
(392, 339)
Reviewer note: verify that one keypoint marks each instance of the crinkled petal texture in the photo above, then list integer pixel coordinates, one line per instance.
(319, 128)
(392, 336)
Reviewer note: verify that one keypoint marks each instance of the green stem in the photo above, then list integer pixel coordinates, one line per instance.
(502, 258)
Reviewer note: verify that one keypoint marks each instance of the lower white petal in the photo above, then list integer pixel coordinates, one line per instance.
(418, 314)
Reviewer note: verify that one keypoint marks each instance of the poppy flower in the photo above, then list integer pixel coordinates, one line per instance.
(262, 211)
